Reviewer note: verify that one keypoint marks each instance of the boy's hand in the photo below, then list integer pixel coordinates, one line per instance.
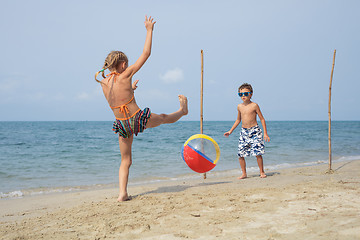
(134, 85)
(266, 138)
(227, 134)
(149, 24)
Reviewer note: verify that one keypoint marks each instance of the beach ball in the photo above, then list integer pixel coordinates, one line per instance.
(201, 153)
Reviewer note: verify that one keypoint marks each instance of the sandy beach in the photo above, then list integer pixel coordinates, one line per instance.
(297, 203)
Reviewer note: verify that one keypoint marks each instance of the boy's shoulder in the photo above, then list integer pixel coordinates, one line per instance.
(255, 104)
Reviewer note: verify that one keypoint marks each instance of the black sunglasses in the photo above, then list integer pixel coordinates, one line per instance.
(244, 94)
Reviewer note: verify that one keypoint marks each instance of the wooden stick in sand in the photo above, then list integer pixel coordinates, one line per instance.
(202, 96)
(329, 136)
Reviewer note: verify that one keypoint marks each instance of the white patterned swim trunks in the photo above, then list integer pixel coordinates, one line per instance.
(251, 142)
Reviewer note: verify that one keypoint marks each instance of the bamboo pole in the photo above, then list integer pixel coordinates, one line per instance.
(201, 92)
(329, 135)
(202, 96)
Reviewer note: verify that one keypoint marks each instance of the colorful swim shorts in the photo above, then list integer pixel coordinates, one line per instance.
(251, 142)
(133, 125)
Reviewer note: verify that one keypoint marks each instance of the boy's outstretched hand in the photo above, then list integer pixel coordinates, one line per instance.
(227, 134)
(266, 138)
(149, 23)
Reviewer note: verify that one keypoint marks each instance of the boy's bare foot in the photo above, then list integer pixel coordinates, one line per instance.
(123, 198)
(263, 175)
(242, 176)
(183, 104)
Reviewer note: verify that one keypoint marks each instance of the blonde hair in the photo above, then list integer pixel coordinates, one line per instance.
(112, 60)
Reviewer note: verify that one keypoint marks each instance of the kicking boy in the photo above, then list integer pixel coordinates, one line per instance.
(251, 141)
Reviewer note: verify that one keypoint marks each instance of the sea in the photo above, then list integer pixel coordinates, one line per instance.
(55, 157)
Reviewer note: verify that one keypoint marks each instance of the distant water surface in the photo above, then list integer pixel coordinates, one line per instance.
(43, 157)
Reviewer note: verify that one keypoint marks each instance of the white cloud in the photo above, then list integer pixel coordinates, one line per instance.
(59, 97)
(83, 96)
(89, 95)
(151, 94)
(9, 85)
(172, 76)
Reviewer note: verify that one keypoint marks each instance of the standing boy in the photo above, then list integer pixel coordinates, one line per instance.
(251, 141)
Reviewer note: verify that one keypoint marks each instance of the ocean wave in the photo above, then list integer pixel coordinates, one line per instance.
(347, 158)
(42, 191)
(14, 194)
(12, 144)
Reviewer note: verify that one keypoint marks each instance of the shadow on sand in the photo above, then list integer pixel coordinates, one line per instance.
(177, 188)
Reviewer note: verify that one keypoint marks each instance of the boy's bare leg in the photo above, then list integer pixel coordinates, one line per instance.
(261, 166)
(243, 168)
(156, 119)
(125, 150)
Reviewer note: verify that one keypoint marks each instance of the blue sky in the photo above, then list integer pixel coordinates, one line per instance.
(50, 51)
